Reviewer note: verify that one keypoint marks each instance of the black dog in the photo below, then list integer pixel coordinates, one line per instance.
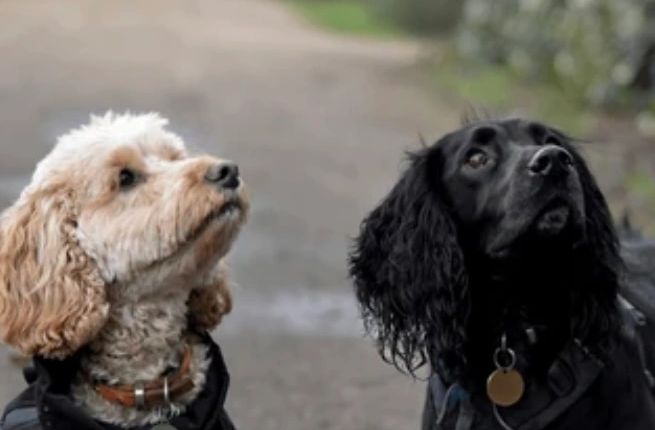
(495, 260)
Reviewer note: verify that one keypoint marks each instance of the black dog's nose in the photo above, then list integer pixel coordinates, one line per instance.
(550, 160)
(225, 175)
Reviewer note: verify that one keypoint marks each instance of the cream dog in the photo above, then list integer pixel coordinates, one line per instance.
(113, 254)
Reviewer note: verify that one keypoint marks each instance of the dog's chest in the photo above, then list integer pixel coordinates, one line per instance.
(579, 392)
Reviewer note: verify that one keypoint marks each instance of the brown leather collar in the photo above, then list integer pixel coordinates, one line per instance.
(159, 392)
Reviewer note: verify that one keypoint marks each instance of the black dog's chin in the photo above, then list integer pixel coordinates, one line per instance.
(553, 221)
(558, 227)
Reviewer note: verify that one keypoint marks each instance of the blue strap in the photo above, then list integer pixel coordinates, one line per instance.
(21, 419)
(447, 399)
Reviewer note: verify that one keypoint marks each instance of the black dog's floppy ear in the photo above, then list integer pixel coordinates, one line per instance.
(409, 272)
(596, 299)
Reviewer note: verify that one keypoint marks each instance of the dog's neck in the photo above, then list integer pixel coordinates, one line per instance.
(141, 340)
(530, 299)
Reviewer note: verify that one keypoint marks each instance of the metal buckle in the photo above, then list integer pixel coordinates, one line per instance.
(531, 333)
(166, 393)
(139, 395)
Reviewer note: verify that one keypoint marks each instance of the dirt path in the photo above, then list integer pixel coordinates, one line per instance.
(318, 124)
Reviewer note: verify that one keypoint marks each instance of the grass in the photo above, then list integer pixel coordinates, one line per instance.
(346, 16)
(642, 188)
(643, 185)
(490, 87)
(497, 89)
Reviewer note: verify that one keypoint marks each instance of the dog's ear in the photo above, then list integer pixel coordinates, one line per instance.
(596, 299)
(52, 298)
(409, 272)
(208, 304)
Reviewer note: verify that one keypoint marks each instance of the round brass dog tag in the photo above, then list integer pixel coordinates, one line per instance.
(163, 426)
(505, 387)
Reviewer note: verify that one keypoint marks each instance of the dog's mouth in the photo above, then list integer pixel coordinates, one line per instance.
(230, 210)
(556, 223)
(553, 218)
(230, 214)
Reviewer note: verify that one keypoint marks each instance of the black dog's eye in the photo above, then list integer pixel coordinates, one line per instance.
(126, 178)
(476, 159)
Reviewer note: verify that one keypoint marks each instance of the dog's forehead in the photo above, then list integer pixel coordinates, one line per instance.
(142, 155)
(151, 143)
(512, 131)
(93, 143)
(161, 149)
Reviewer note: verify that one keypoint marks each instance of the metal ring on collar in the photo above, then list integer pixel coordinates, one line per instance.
(139, 395)
(510, 354)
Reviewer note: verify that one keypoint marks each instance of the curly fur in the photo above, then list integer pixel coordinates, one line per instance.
(126, 273)
(421, 287)
(409, 273)
(52, 299)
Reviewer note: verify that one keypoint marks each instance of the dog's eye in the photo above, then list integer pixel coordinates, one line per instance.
(476, 159)
(126, 178)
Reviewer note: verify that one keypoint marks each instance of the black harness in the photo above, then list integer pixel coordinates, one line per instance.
(570, 376)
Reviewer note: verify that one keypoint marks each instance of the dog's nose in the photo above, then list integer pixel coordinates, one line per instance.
(550, 160)
(225, 175)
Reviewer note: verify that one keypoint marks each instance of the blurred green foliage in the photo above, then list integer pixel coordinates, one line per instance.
(600, 51)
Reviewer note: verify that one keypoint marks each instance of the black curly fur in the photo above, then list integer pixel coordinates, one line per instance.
(410, 275)
(412, 281)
